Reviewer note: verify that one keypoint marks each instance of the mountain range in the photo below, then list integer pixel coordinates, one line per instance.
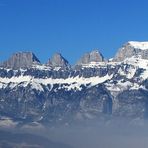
(58, 93)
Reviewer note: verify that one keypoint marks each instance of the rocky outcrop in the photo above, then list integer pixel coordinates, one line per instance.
(58, 60)
(93, 56)
(21, 60)
(130, 49)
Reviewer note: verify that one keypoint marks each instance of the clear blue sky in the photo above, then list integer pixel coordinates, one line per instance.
(71, 27)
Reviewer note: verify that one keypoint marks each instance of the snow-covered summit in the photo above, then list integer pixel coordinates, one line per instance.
(139, 45)
(130, 49)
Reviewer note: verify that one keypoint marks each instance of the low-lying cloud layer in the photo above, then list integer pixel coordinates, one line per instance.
(90, 135)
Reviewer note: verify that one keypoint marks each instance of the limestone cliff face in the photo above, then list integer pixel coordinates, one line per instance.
(21, 60)
(58, 60)
(93, 56)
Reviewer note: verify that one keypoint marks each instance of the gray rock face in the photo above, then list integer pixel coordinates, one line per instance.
(94, 56)
(144, 54)
(21, 60)
(58, 61)
(130, 49)
(132, 103)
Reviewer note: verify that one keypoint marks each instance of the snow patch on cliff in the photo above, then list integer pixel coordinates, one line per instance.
(36, 83)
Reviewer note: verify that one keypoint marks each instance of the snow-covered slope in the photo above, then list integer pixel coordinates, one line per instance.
(132, 48)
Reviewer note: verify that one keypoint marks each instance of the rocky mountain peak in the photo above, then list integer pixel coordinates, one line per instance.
(130, 49)
(58, 60)
(93, 56)
(21, 60)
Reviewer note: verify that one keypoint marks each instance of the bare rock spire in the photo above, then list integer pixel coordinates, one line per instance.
(21, 60)
(93, 56)
(58, 60)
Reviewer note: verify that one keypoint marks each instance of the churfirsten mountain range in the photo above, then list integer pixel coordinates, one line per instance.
(58, 93)
(27, 59)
